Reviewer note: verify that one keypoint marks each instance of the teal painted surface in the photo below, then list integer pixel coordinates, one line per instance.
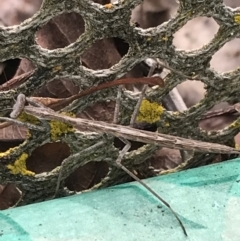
(207, 200)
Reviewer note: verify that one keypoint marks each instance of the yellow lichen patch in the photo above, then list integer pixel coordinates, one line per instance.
(59, 128)
(19, 166)
(108, 6)
(28, 135)
(167, 124)
(235, 124)
(165, 38)
(57, 68)
(149, 112)
(237, 18)
(8, 152)
(28, 118)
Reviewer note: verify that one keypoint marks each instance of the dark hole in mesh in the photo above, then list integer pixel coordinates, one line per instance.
(14, 72)
(87, 176)
(104, 53)
(121, 45)
(9, 196)
(60, 31)
(214, 121)
(5, 145)
(47, 157)
(102, 2)
(8, 69)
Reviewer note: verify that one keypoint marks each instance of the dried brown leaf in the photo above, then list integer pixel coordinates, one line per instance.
(9, 196)
(13, 133)
(48, 156)
(87, 176)
(16, 81)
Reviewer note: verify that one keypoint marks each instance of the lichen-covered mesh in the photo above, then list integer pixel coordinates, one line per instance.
(114, 21)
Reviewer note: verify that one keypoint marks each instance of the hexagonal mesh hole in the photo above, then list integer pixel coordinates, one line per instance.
(60, 31)
(48, 156)
(87, 176)
(104, 53)
(213, 122)
(153, 13)
(232, 3)
(228, 57)
(14, 12)
(195, 33)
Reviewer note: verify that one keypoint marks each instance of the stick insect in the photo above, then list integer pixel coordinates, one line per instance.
(128, 146)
